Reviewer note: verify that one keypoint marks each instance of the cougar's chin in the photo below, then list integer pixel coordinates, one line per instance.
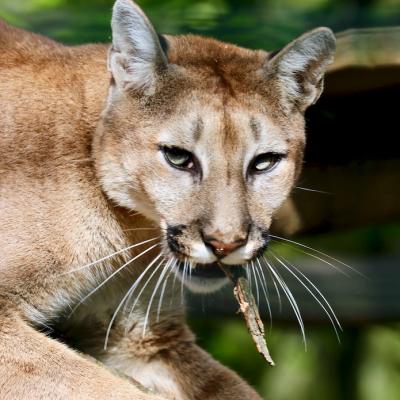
(203, 278)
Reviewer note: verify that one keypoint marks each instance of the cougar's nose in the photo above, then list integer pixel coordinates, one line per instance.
(220, 248)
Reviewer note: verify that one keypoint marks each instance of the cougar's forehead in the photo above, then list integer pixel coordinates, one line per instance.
(222, 134)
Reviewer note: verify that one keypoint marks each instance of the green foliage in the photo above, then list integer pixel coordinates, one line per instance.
(375, 239)
(365, 365)
(265, 24)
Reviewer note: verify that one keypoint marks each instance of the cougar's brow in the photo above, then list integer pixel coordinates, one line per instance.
(255, 128)
(198, 127)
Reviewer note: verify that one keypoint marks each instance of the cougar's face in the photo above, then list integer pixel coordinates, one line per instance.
(226, 167)
(211, 173)
(200, 137)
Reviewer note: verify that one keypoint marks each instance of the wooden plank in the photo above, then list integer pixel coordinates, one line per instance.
(365, 59)
(368, 48)
(355, 299)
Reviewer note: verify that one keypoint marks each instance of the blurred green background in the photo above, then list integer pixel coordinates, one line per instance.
(252, 23)
(366, 364)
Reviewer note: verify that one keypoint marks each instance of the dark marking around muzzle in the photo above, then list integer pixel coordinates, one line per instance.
(173, 233)
(265, 240)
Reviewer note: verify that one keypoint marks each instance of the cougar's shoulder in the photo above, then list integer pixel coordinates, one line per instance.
(49, 93)
(51, 98)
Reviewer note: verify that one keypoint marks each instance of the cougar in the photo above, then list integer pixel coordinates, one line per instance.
(128, 172)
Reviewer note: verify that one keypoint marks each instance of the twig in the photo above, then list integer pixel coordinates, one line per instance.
(248, 308)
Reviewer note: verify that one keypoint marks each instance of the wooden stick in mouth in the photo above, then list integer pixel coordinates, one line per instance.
(249, 310)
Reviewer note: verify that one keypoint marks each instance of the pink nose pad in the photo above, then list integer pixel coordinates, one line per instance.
(221, 249)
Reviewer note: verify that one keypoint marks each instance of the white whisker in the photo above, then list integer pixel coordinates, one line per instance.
(317, 258)
(140, 277)
(291, 299)
(264, 287)
(160, 278)
(112, 275)
(140, 229)
(316, 289)
(277, 291)
(185, 265)
(173, 265)
(174, 282)
(319, 252)
(248, 273)
(111, 255)
(256, 282)
(115, 315)
(191, 265)
(330, 314)
(312, 190)
(143, 288)
(127, 295)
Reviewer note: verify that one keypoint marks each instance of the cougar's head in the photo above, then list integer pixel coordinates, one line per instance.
(205, 138)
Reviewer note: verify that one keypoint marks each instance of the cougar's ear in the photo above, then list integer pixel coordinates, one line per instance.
(136, 58)
(297, 71)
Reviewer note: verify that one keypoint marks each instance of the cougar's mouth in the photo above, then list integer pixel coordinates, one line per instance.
(206, 271)
(203, 278)
(203, 271)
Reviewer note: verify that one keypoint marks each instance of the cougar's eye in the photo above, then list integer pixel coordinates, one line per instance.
(178, 158)
(265, 162)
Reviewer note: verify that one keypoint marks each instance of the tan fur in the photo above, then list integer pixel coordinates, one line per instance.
(78, 153)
